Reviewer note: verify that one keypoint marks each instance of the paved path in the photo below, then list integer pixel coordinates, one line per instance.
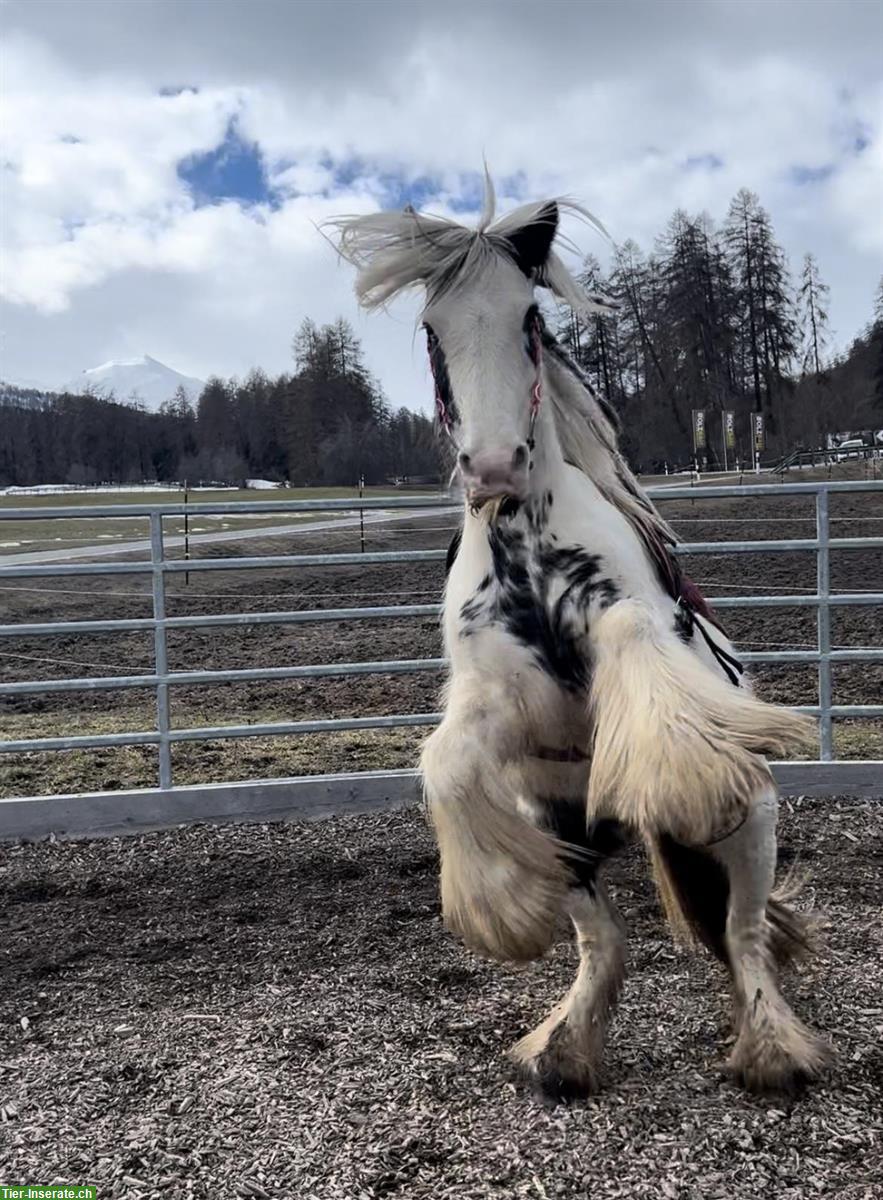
(374, 517)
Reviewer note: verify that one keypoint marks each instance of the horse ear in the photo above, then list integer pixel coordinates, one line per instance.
(531, 243)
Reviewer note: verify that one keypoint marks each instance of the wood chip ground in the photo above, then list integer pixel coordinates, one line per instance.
(276, 1011)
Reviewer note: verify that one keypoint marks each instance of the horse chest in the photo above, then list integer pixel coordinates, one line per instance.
(538, 592)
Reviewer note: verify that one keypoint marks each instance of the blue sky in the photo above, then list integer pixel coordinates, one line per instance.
(166, 166)
(236, 169)
(232, 170)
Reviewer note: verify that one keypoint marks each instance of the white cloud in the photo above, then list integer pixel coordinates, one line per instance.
(856, 191)
(106, 253)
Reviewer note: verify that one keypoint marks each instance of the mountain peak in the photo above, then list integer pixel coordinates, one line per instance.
(143, 360)
(144, 380)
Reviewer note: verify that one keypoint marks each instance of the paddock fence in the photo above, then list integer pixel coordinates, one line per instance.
(318, 795)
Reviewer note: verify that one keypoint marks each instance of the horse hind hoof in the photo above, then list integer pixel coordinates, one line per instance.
(785, 1064)
(552, 1088)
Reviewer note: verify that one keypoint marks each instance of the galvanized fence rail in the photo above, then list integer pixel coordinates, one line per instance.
(167, 804)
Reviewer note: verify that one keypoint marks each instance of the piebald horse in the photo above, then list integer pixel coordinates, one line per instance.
(592, 695)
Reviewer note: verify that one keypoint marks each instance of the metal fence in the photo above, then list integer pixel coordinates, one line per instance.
(168, 803)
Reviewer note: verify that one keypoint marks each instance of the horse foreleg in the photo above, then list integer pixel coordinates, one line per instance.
(562, 1056)
(774, 1049)
(502, 880)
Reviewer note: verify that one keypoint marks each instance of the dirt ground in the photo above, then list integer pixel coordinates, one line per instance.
(251, 646)
(276, 1011)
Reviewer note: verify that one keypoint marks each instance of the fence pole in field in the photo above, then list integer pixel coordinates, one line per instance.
(362, 514)
(160, 656)
(724, 439)
(823, 588)
(186, 535)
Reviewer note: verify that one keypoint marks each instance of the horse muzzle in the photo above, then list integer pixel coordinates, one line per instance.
(495, 473)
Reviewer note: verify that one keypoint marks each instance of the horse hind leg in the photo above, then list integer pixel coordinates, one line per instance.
(774, 1050)
(562, 1056)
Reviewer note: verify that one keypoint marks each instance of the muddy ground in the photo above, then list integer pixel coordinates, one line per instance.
(275, 1011)
(329, 587)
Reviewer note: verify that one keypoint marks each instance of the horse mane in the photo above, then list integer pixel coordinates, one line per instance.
(394, 252)
(587, 429)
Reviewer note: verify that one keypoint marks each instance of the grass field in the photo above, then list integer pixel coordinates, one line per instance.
(868, 468)
(175, 495)
(18, 537)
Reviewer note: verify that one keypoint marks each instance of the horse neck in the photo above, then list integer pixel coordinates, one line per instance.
(547, 455)
(587, 439)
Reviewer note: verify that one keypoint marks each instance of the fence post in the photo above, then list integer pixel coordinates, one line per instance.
(186, 533)
(823, 587)
(160, 656)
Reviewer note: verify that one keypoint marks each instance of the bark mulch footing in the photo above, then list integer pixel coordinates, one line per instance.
(276, 1011)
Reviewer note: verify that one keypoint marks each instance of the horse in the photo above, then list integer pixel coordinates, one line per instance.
(592, 697)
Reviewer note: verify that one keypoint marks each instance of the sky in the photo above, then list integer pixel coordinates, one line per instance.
(165, 164)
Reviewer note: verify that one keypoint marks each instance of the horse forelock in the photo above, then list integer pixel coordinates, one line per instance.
(396, 251)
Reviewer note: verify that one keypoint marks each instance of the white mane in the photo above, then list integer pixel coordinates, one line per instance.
(395, 251)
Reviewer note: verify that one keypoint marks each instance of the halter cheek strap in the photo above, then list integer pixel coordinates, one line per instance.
(441, 409)
(536, 395)
(441, 412)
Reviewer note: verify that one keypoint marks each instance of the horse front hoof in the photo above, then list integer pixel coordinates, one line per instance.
(555, 1068)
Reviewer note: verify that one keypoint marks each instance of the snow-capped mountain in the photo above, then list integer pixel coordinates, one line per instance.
(143, 380)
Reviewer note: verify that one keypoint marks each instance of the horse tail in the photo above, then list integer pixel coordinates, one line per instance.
(694, 891)
(677, 750)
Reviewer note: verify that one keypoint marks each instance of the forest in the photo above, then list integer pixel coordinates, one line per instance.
(711, 319)
(325, 423)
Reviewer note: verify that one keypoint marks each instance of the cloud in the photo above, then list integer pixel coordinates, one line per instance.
(165, 167)
(807, 175)
(708, 162)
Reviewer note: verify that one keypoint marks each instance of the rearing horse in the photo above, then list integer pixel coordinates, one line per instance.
(592, 694)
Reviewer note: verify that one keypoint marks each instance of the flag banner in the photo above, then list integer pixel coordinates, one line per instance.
(699, 428)
(729, 429)
(758, 432)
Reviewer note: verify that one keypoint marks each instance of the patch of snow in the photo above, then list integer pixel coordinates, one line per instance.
(58, 489)
(142, 380)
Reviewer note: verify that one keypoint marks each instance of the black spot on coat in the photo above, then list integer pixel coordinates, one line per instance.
(526, 575)
(453, 551)
(565, 818)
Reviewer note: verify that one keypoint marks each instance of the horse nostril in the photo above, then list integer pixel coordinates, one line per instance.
(464, 460)
(519, 458)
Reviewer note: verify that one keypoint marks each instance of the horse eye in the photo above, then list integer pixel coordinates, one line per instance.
(431, 338)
